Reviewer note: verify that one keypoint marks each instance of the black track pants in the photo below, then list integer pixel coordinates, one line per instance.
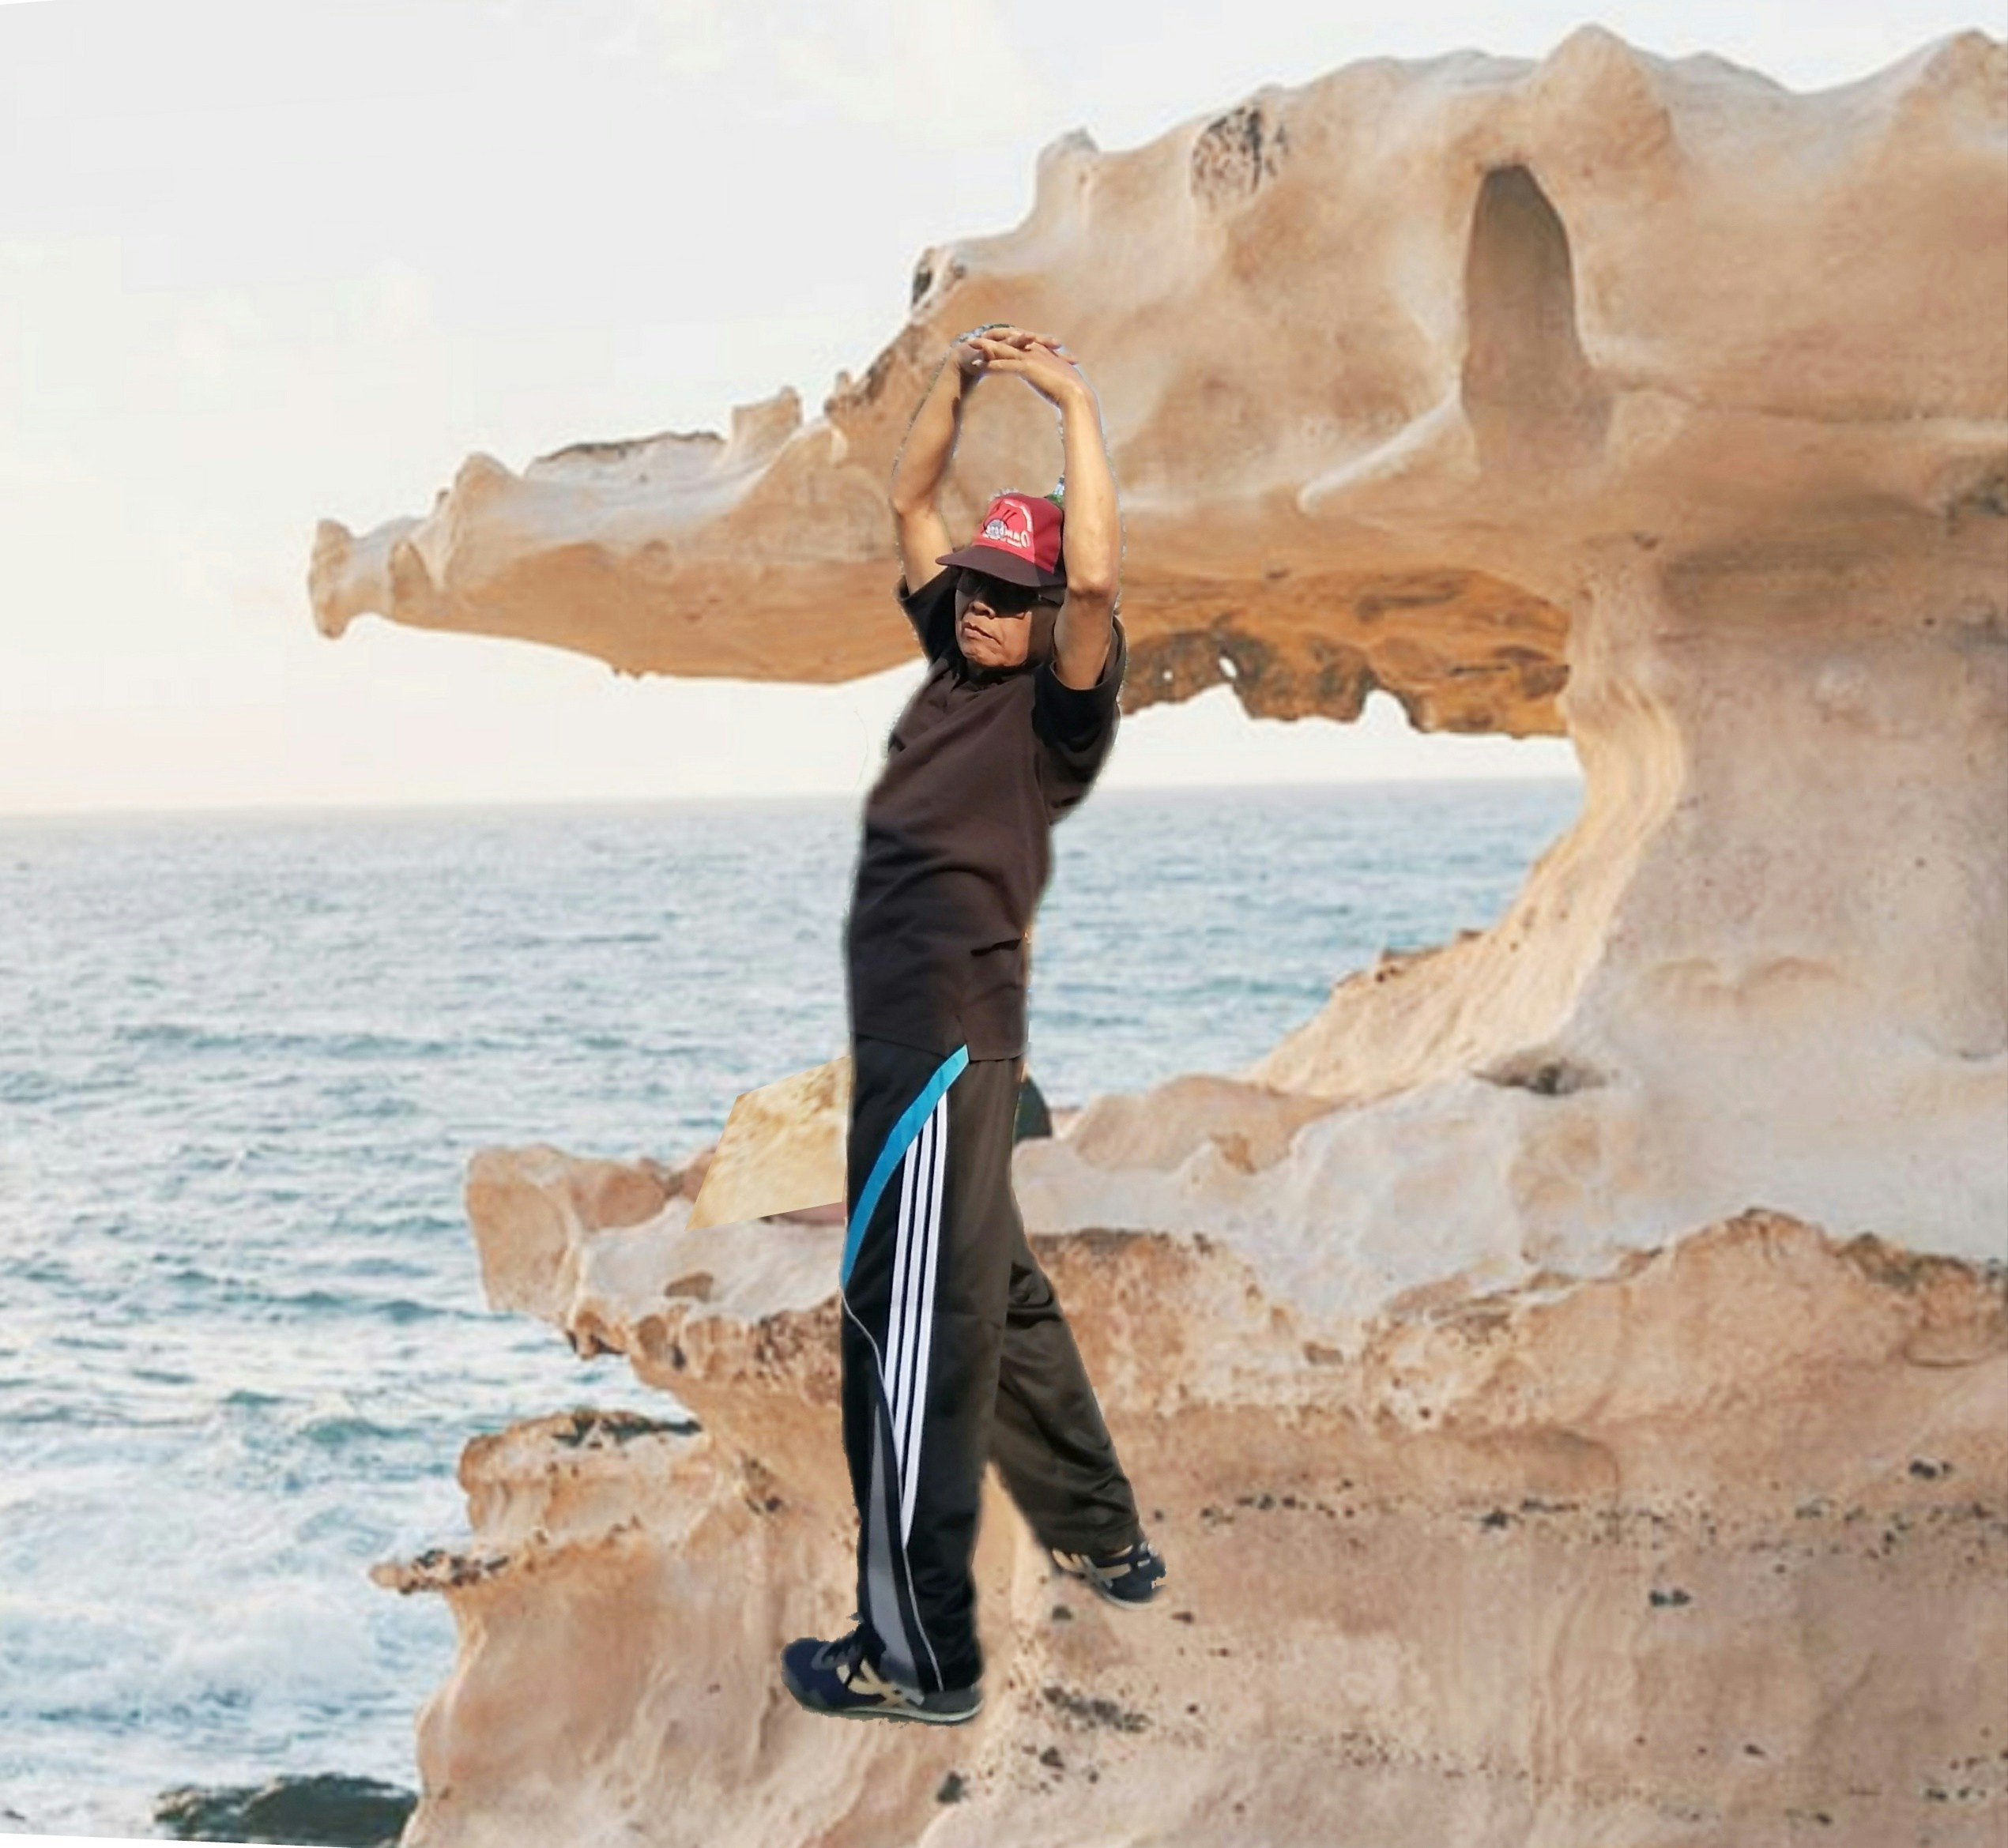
(954, 1351)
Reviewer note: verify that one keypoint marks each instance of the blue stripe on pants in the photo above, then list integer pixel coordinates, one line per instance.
(903, 1132)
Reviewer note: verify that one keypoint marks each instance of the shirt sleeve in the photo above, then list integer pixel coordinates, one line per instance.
(931, 611)
(1076, 725)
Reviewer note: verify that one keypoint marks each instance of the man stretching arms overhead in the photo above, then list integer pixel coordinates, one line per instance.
(954, 1350)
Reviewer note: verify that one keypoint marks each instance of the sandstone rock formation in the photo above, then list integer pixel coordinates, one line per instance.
(1640, 398)
(1709, 1550)
(1469, 379)
(782, 1149)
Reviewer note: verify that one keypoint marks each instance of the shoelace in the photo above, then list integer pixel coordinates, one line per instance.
(846, 1656)
(1114, 1567)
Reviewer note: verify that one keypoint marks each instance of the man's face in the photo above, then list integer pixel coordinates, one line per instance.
(993, 621)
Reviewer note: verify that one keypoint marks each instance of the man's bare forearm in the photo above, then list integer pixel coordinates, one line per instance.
(1092, 535)
(1092, 541)
(930, 443)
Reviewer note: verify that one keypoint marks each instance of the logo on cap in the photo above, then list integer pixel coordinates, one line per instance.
(1009, 521)
(1017, 538)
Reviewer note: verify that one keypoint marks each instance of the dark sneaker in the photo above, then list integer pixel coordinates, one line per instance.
(835, 1677)
(1130, 1577)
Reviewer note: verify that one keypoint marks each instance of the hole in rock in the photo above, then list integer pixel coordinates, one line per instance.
(1528, 390)
(1546, 1073)
(1190, 929)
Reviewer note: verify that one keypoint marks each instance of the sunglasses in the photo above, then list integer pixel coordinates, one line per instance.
(1001, 595)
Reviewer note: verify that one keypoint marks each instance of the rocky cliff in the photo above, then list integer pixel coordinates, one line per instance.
(1569, 1365)
(1710, 1549)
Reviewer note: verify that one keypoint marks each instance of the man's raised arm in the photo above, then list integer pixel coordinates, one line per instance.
(1092, 541)
(916, 472)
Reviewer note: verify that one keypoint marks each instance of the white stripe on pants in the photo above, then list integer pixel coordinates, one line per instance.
(911, 1335)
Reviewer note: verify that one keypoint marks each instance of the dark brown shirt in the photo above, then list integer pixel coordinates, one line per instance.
(956, 845)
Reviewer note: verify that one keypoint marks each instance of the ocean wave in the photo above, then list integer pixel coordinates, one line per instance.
(341, 1044)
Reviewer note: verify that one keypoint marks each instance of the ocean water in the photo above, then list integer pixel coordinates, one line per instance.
(244, 1061)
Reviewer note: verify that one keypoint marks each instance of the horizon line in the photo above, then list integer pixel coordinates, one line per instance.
(505, 805)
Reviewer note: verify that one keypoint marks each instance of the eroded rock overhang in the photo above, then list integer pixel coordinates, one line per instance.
(1385, 360)
(1638, 397)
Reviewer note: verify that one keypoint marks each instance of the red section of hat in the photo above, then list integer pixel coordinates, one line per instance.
(1016, 529)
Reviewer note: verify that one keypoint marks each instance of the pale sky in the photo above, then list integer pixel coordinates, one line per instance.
(263, 262)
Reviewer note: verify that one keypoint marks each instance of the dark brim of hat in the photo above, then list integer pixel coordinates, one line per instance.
(996, 562)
